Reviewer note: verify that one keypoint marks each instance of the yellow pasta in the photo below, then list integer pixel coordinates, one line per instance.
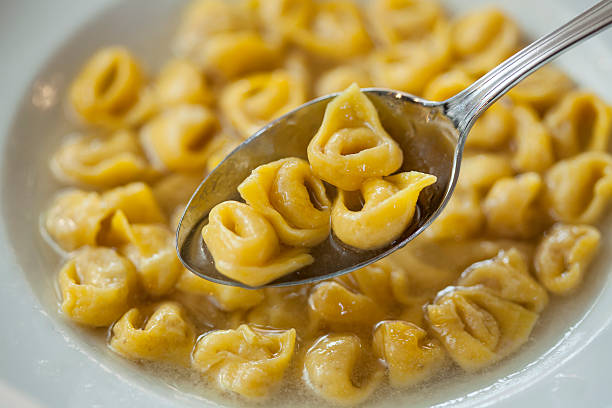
(581, 121)
(280, 17)
(108, 86)
(250, 103)
(335, 30)
(181, 138)
(482, 39)
(339, 308)
(246, 361)
(150, 247)
(507, 275)
(330, 367)
(533, 150)
(481, 171)
(283, 308)
(403, 20)
(447, 84)
(159, 332)
(245, 247)
(478, 328)
(292, 199)
(97, 286)
(351, 144)
(228, 298)
(579, 189)
(493, 129)
(462, 217)
(221, 153)
(563, 256)
(389, 204)
(340, 78)
(384, 281)
(137, 201)
(511, 206)
(542, 89)
(102, 161)
(175, 190)
(410, 66)
(411, 357)
(179, 82)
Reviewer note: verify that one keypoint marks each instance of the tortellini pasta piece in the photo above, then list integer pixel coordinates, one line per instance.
(179, 82)
(462, 217)
(384, 281)
(230, 55)
(102, 161)
(511, 206)
(181, 138)
(493, 129)
(563, 256)
(283, 308)
(97, 285)
(176, 189)
(340, 78)
(228, 298)
(75, 219)
(482, 39)
(446, 85)
(579, 189)
(245, 247)
(581, 121)
(282, 16)
(410, 66)
(410, 355)
(250, 103)
(295, 202)
(481, 171)
(339, 307)
(389, 204)
(335, 30)
(533, 150)
(351, 145)
(507, 275)
(404, 20)
(478, 328)
(247, 361)
(542, 89)
(137, 201)
(108, 86)
(330, 367)
(222, 152)
(159, 332)
(150, 247)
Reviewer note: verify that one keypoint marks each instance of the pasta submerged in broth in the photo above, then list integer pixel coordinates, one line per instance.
(519, 230)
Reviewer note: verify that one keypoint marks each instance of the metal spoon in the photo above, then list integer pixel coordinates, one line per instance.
(432, 135)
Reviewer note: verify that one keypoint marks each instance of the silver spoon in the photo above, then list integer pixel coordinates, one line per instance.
(432, 134)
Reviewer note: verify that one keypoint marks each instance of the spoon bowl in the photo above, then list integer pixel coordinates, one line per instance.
(431, 134)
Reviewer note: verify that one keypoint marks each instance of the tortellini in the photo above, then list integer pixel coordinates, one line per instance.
(563, 256)
(160, 331)
(179, 82)
(102, 161)
(331, 365)
(97, 286)
(478, 328)
(340, 78)
(410, 355)
(446, 85)
(295, 202)
(335, 30)
(511, 206)
(508, 276)
(228, 298)
(579, 189)
(339, 307)
(181, 138)
(250, 103)
(401, 20)
(245, 246)
(283, 308)
(482, 39)
(108, 87)
(462, 217)
(351, 145)
(581, 121)
(280, 17)
(137, 201)
(246, 361)
(493, 129)
(150, 247)
(481, 171)
(389, 204)
(533, 150)
(542, 89)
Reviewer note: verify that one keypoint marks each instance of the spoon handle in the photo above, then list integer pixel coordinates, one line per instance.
(465, 107)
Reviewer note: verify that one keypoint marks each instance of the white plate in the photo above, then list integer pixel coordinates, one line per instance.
(46, 361)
